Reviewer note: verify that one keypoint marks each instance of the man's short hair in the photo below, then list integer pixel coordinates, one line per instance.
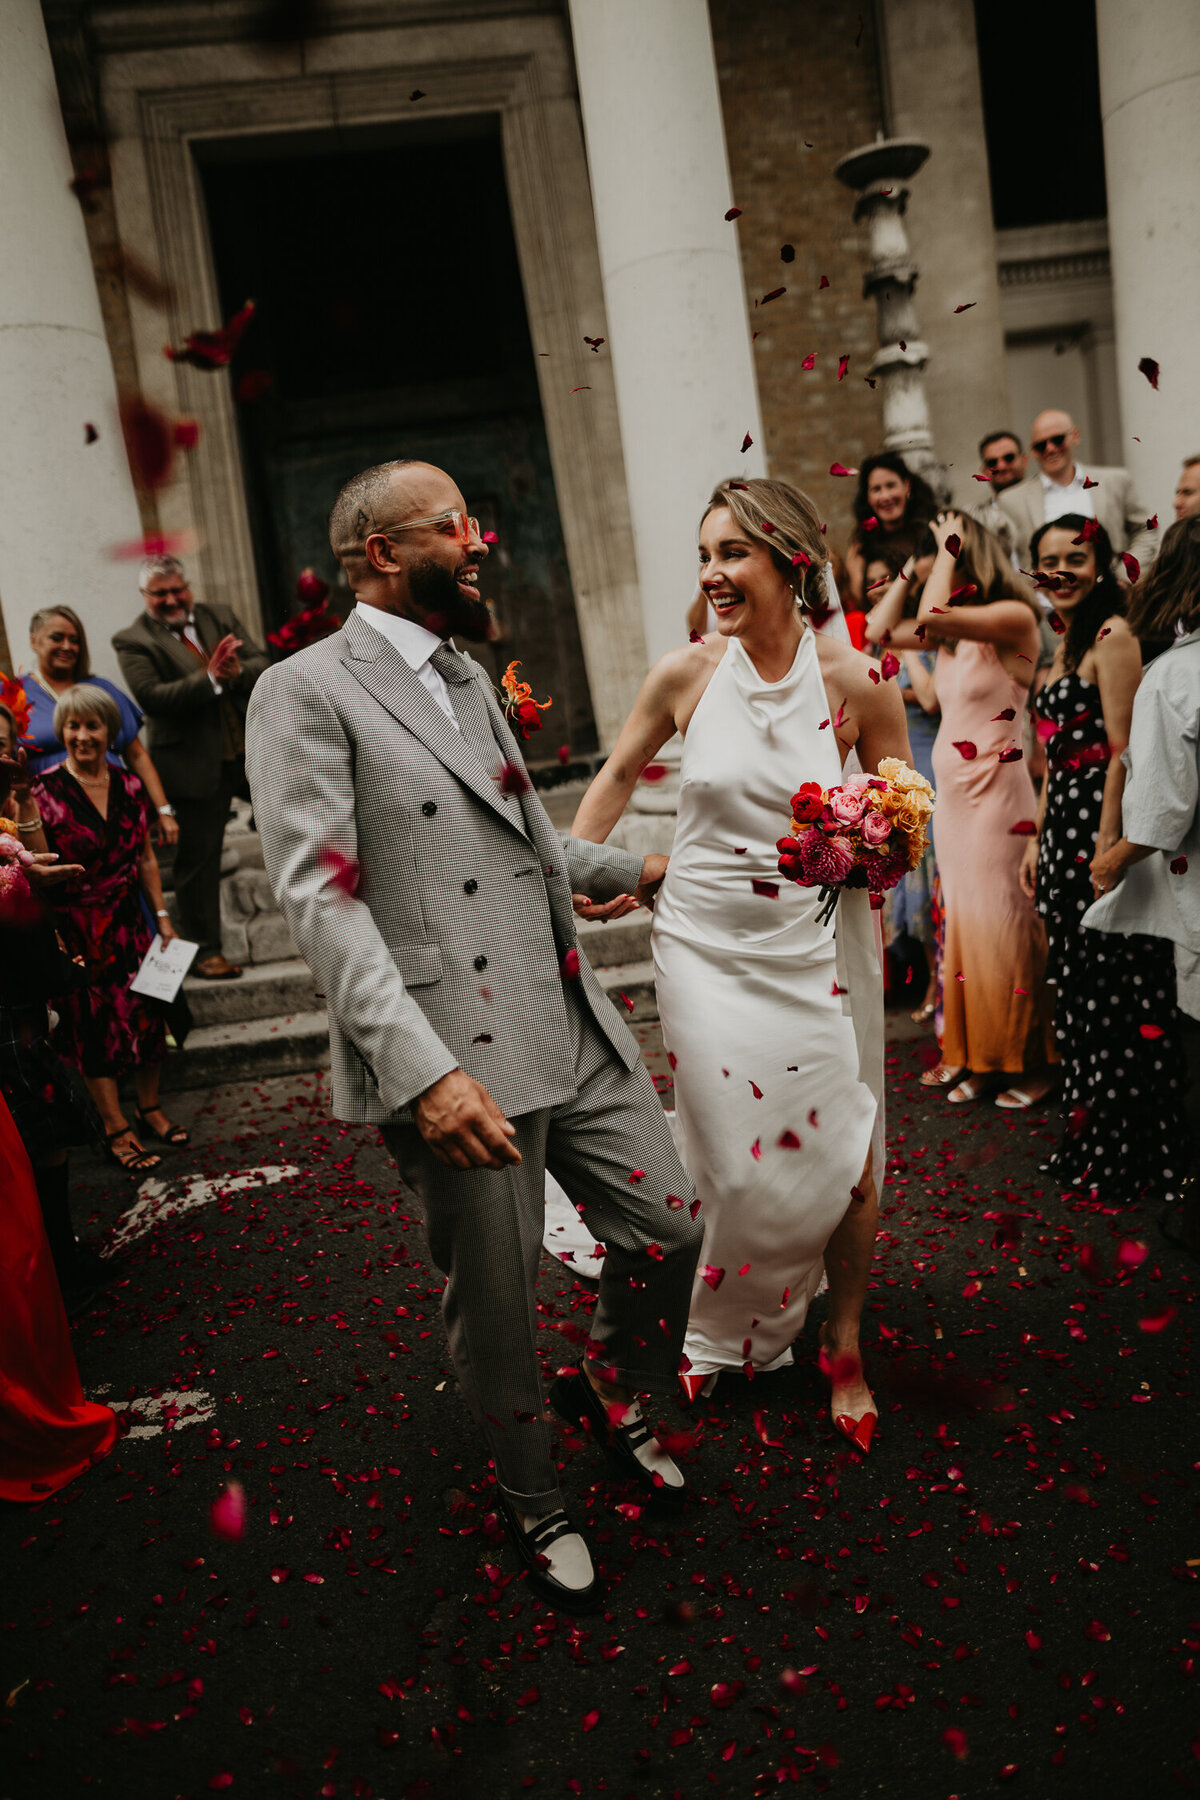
(362, 506)
(84, 702)
(993, 437)
(158, 565)
(1189, 462)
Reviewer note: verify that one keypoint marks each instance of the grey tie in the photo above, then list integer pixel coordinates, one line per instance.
(470, 707)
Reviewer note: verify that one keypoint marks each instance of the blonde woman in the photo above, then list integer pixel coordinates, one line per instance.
(771, 1070)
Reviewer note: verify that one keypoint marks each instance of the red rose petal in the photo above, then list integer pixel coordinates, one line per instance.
(966, 749)
(1149, 368)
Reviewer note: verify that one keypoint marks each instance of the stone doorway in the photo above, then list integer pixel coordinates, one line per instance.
(413, 342)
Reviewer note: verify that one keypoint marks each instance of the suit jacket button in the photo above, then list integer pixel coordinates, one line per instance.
(481, 963)
(429, 808)
(470, 887)
(549, 869)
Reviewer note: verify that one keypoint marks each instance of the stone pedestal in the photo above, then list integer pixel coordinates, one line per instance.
(65, 502)
(877, 173)
(674, 294)
(1150, 100)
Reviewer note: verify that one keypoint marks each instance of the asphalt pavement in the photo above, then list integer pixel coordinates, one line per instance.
(1002, 1597)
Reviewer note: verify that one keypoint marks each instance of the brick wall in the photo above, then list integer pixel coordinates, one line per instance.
(791, 75)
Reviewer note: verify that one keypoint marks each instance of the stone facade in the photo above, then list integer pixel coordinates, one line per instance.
(792, 75)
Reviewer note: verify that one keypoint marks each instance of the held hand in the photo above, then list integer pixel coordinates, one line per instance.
(604, 909)
(462, 1124)
(653, 870)
(1027, 874)
(168, 829)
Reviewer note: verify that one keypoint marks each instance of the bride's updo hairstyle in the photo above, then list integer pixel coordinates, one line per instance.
(786, 521)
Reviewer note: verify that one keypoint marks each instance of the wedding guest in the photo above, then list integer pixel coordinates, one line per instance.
(1148, 883)
(192, 667)
(996, 1032)
(1187, 490)
(60, 647)
(1154, 609)
(1063, 485)
(48, 1109)
(1003, 463)
(909, 908)
(1115, 1016)
(99, 817)
(899, 502)
(49, 1433)
(751, 1006)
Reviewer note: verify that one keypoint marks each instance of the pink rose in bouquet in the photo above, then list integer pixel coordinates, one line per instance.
(847, 805)
(876, 828)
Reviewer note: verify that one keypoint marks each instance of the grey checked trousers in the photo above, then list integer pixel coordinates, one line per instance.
(485, 1231)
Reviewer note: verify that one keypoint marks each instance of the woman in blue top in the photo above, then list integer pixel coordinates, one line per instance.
(60, 647)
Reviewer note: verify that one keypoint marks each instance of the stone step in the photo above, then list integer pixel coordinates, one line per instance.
(264, 991)
(607, 941)
(636, 982)
(249, 1051)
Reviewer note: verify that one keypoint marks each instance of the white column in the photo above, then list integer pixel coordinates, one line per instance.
(1150, 100)
(63, 503)
(673, 289)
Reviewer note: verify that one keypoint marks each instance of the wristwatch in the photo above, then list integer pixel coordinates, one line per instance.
(169, 810)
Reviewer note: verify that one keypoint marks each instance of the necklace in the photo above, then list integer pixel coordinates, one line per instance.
(83, 780)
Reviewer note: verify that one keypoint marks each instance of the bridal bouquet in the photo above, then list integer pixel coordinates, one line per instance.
(866, 833)
(17, 903)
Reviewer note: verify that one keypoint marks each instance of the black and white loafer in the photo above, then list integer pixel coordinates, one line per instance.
(629, 1444)
(557, 1562)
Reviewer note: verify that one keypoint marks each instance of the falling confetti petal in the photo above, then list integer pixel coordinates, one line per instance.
(1149, 368)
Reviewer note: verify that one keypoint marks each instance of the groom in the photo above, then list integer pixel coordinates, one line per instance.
(432, 898)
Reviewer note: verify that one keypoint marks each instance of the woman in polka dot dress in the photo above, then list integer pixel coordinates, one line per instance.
(1115, 1016)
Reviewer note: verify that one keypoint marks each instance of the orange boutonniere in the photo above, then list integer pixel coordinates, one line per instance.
(13, 695)
(523, 712)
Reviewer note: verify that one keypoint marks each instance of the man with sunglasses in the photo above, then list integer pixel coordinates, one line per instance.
(433, 899)
(191, 666)
(1003, 464)
(1062, 485)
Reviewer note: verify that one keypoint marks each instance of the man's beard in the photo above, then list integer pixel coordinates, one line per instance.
(434, 590)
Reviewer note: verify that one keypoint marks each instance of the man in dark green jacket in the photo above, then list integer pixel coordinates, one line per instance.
(191, 668)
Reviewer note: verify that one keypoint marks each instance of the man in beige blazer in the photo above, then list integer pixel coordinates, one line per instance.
(1062, 485)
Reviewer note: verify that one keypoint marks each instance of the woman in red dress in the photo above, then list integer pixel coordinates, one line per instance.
(48, 1432)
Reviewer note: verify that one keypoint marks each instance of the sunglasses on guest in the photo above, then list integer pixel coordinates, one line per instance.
(1002, 462)
(1041, 445)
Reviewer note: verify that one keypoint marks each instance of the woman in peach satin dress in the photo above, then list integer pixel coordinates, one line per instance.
(997, 1034)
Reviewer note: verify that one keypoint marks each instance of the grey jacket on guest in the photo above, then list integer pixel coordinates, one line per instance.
(1117, 508)
(450, 953)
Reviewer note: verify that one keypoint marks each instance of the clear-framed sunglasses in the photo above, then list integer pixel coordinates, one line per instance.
(465, 527)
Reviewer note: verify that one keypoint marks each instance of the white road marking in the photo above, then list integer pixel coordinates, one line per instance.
(172, 1410)
(158, 1201)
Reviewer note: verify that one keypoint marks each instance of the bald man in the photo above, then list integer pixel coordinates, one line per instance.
(1063, 485)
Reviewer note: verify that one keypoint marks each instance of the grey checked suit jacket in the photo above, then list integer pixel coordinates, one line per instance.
(1117, 508)
(449, 956)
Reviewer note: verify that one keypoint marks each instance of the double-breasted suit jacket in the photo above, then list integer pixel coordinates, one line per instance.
(170, 683)
(451, 952)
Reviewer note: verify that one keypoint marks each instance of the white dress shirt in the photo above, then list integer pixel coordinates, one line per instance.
(1071, 498)
(416, 645)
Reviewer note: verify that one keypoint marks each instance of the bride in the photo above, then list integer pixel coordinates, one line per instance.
(773, 1027)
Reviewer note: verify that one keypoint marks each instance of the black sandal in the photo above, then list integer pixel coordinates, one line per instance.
(177, 1135)
(140, 1163)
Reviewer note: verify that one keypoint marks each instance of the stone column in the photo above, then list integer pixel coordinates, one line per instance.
(1150, 100)
(63, 502)
(930, 78)
(673, 288)
(877, 173)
